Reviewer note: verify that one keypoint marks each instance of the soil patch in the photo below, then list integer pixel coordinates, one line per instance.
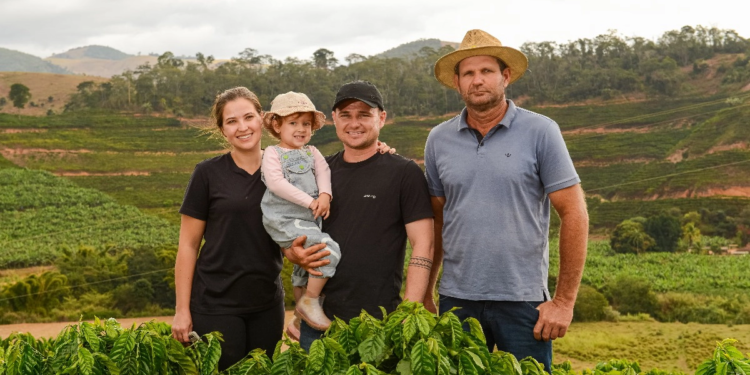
(595, 163)
(676, 157)
(26, 151)
(86, 174)
(733, 146)
(15, 131)
(603, 130)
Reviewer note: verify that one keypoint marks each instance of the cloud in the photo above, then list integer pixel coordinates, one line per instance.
(222, 28)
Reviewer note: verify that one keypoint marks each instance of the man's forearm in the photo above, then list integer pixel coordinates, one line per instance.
(437, 209)
(573, 241)
(421, 262)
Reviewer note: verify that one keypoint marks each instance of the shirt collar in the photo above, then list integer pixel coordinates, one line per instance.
(507, 120)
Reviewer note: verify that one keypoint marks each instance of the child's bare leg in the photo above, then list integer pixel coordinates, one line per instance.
(315, 287)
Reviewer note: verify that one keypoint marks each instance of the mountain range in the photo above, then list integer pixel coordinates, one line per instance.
(103, 61)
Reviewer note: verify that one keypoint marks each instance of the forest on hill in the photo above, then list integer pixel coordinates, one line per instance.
(690, 61)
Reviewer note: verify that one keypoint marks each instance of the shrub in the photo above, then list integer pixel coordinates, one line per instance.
(590, 305)
(631, 295)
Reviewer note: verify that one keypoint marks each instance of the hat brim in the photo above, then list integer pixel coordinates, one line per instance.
(371, 104)
(319, 118)
(513, 58)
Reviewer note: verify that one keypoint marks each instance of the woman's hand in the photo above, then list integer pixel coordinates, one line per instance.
(181, 326)
(307, 258)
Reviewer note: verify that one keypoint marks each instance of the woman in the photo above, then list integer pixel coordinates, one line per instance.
(235, 286)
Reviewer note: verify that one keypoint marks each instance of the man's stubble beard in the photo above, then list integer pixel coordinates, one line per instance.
(491, 102)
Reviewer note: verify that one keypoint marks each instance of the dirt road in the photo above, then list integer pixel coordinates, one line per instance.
(53, 329)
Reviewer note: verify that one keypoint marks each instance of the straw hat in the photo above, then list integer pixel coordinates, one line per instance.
(289, 103)
(478, 43)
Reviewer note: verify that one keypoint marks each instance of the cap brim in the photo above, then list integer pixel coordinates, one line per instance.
(371, 104)
(319, 117)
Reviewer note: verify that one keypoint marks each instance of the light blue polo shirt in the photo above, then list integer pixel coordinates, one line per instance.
(497, 209)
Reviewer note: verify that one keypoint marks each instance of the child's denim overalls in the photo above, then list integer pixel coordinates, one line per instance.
(285, 221)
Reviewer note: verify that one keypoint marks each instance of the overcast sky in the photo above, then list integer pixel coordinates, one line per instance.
(296, 28)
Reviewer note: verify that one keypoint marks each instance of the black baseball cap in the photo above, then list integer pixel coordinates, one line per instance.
(363, 91)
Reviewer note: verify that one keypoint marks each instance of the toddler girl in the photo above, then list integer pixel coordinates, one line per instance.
(298, 195)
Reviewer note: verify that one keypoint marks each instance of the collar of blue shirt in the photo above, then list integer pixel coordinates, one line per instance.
(507, 120)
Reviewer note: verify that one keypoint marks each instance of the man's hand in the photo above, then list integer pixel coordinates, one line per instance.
(429, 304)
(383, 148)
(308, 258)
(554, 320)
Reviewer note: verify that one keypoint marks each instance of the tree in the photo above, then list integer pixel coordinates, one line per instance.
(629, 237)
(19, 95)
(354, 58)
(665, 230)
(323, 58)
(691, 235)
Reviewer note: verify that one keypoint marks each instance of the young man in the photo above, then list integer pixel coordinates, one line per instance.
(380, 200)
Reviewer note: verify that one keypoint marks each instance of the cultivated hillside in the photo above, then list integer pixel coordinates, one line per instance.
(15, 61)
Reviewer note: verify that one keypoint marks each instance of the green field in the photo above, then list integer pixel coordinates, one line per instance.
(708, 275)
(666, 346)
(41, 214)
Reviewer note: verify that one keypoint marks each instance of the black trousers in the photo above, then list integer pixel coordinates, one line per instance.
(243, 333)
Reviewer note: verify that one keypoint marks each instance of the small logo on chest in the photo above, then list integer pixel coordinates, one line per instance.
(508, 155)
(369, 196)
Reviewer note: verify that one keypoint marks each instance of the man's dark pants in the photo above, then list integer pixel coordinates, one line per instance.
(509, 325)
(307, 335)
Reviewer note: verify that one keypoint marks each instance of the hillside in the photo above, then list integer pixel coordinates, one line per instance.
(15, 61)
(411, 48)
(42, 86)
(101, 67)
(93, 52)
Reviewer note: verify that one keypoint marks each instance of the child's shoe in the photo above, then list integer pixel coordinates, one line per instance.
(292, 329)
(312, 313)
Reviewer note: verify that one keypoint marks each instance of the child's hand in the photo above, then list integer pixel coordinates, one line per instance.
(321, 207)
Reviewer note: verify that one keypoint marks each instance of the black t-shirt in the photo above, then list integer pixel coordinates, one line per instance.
(239, 265)
(374, 200)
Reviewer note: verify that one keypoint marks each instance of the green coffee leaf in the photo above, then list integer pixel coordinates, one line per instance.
(476, 329)
(373, 348)
(316, 357)
(422, 361)
(85, 361)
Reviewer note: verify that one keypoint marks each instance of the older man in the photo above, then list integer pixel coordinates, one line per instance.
(492, 172)
(378, 201)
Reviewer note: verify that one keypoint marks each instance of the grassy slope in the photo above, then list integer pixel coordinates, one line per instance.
(666, 346)
(42, 86)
